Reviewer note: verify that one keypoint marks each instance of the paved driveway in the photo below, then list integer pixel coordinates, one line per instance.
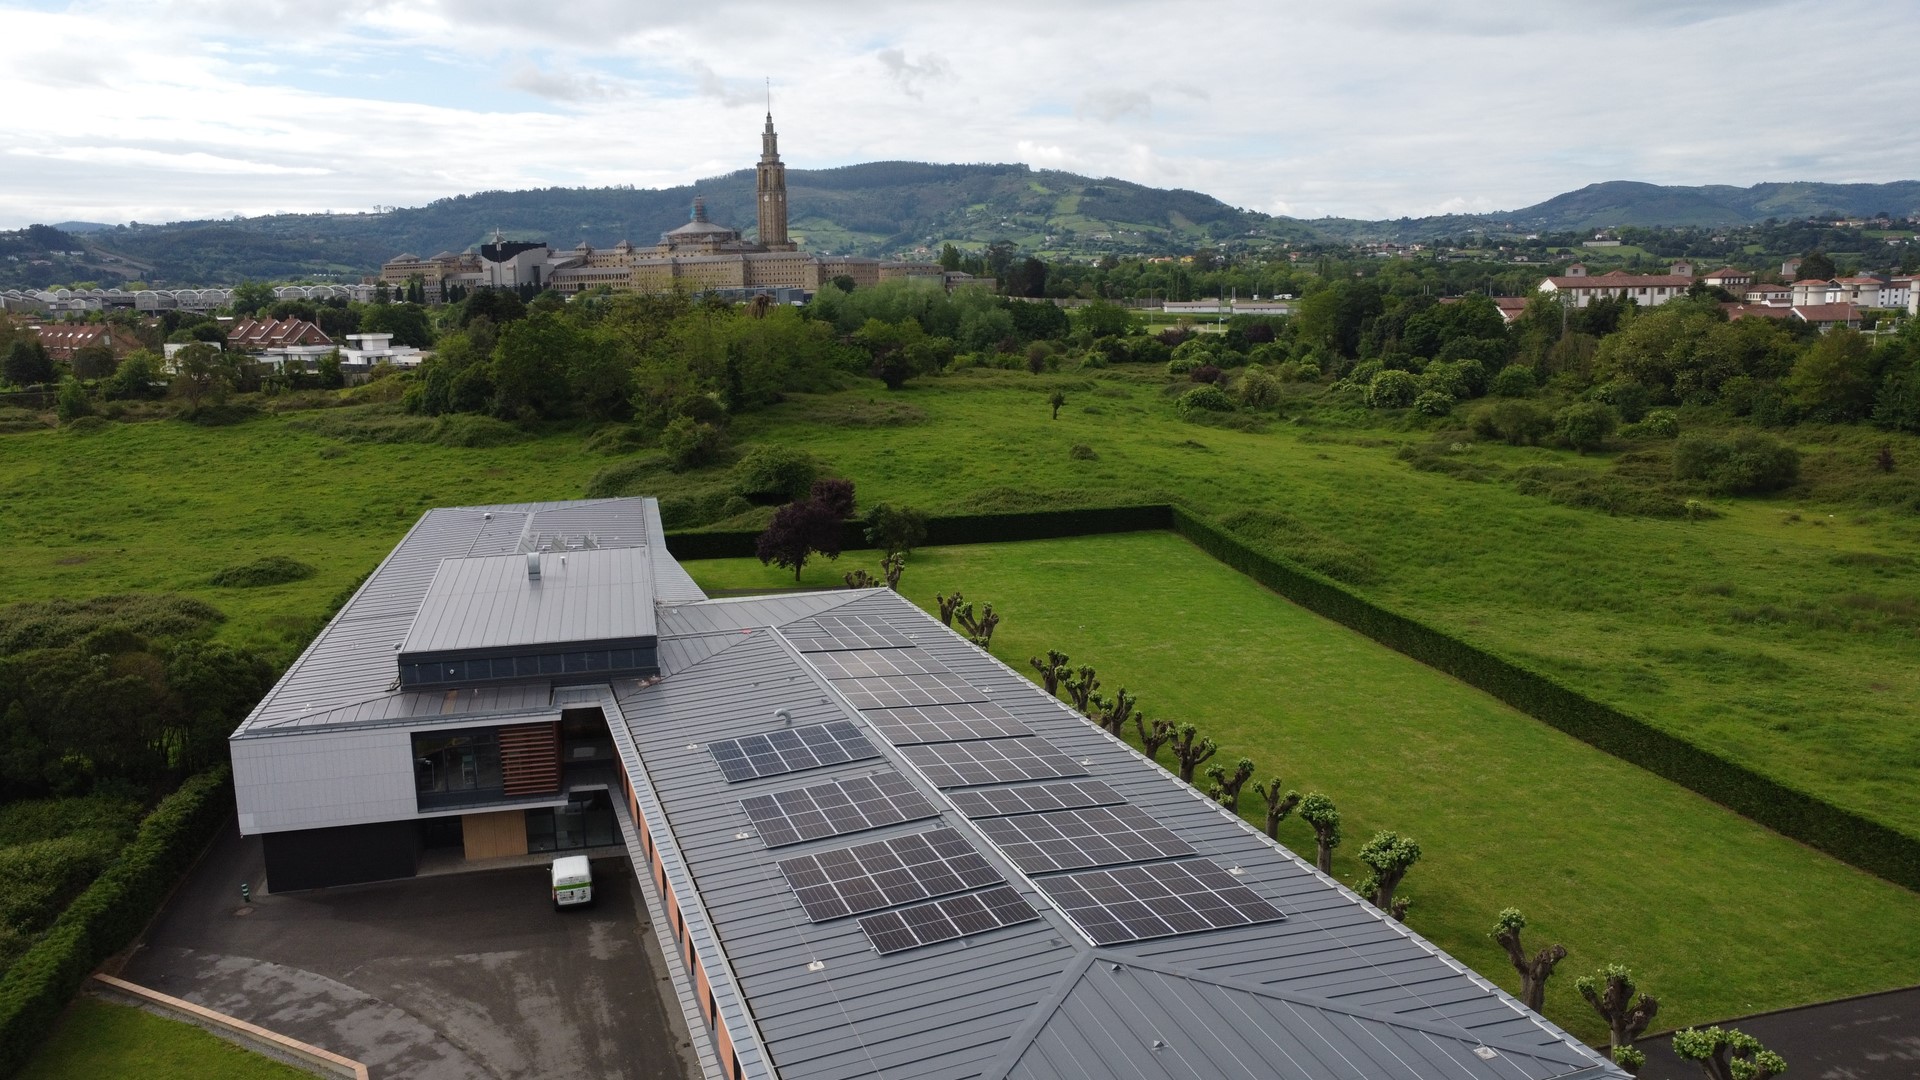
(466, 975)
(1864, 1038)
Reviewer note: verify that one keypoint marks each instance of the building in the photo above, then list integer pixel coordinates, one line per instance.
(868, 847)
(63, 340)
(1648, 290)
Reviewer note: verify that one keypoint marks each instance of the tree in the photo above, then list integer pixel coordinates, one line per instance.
(72, 402)
(1833, 379)
(1817, 265)
(1388, 857)
(979, 627)
(1278, 805)
(201, 374)
(837, 497)
(1534, 970)
(1612, 994)
(895, 531)
(94, 361)
(406, 322)
(798, 530)
(949, 258)
(138, 376)
(1729, 1054)
(1225, 786)
(528, 369)
(331, 375)
(1056, 399)
(1079, 685)
(1318, 811)
(949, 605)
(1153, 735)
(1586, 425)
(27, 363)
(251, 297)
(1113, 714)
(1190, 749)
(892, 565)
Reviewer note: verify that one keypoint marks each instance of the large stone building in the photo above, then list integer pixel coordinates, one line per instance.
(700, 256)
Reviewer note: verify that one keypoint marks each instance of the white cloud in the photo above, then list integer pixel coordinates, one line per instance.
(1375, 108)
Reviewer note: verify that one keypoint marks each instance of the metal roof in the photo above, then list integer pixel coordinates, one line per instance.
(496, 601)
(347, 675)
(1336, 990)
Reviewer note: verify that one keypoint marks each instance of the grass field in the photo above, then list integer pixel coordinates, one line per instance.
(102, 1039)
(1718, 916)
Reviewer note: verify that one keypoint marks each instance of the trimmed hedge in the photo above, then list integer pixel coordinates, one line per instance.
(1846, 836)
(110, 914)
(953, 529)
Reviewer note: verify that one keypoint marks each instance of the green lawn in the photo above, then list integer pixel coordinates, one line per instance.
(1718, 916)
(98, 1039)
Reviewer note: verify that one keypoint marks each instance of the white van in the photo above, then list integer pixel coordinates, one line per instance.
(572, 882)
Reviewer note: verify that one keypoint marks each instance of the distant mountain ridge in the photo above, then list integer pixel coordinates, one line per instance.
(897, 209)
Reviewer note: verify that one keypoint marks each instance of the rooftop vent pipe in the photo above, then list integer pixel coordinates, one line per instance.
(533, 566)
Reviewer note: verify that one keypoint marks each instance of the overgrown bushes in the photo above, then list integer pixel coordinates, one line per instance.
(109, 914)
(1748, 463)
(269, 570)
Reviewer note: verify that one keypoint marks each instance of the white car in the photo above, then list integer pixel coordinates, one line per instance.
(572, 882)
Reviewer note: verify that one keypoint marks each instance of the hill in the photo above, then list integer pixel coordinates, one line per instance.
(879, 208)
(1627, 202)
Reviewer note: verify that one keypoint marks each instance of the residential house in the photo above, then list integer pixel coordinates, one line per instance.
(1648, 290)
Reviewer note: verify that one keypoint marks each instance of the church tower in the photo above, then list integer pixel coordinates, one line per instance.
(771, 183)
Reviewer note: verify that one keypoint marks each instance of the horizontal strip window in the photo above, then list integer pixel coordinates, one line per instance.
(607, 662)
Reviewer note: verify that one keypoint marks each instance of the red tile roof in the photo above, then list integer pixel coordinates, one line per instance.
(274, 333)
(1827, 313)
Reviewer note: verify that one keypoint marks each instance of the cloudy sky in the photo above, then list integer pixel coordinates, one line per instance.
(159, 110)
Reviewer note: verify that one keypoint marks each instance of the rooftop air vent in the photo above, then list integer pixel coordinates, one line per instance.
(533, 565)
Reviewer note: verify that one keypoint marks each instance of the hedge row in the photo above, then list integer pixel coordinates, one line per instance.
(954, 529)
(109, 914)
(1846, 836)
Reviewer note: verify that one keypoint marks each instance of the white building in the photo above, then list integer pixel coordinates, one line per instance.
(1648, 290)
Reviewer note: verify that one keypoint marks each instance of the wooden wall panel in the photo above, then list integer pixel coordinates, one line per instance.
(489, 836)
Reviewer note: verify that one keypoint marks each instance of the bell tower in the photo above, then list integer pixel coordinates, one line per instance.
(770, 178)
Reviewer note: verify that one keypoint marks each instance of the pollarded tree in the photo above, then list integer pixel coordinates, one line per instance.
(1278, 805)
(1612, 994)
(1318, 811)
(1051, 670)
(891, 567)
(1079, 686)
(860, 579)
(948, 606)
(1113, 714)
(1388, 857)
(979, 627)
(1225, 788)
(1729, 1054)
(1190, 749)
(1533, 970)
(1153, 735)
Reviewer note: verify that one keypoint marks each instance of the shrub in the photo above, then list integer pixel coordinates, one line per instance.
(1433, 403)
(1392, 390)
(1205, 373)
(72, 402)
(1182, 365)
(1458, 379)
(1749, 463)
(1199, 349)
(1082, 452)
(770, 475)
(1586, 425)
(690, 443)
(1517, 423)
(1629, 397)
(270, 570)
(1363, 372)
(1204, 398)
(1297, 371)
(1658, 424)
(1258, 390)
(1512, 381)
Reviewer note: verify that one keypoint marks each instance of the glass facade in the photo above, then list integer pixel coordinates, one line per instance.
(609, 663)
(586, 821)
(457, 768)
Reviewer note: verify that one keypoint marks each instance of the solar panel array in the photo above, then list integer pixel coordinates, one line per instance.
(829, 633)
(904, 691)
(886, 873)
(867, 663)
(1073, 839)
(944, 920)
(831, 809)
(1135, 903)
(946, 723)
(1033, 798)
(990, 761)
(791, 750)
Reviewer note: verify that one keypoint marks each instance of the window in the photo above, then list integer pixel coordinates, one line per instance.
(455, 768)
(586, 822)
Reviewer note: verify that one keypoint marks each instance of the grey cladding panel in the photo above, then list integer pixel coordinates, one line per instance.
(944, 920)
(993, 761)
(1073, 839)
(1135, 903)
(867, 663)
(945, 723)
(832, 809)
(903, 691)
(886, 873)
(1033, 798)
(791, 750)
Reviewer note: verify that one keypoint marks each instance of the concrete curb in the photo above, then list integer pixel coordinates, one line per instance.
(271, 1041)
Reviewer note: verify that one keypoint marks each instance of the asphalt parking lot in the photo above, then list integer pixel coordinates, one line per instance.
(459, 976)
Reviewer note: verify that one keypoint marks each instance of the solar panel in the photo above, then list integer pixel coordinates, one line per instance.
(831, 809)
(902, 691)
(886, 873)
(829, 633)
(790, 750)
(1033, 798)
(1134, 903)
(944, 920)
(1073, 839)
(990, 761)
(945, 723)
(866, 663)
